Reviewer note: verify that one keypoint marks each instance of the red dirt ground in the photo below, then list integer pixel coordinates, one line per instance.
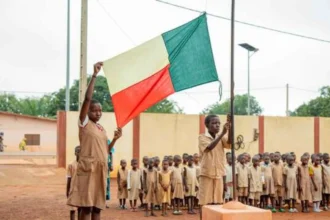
(38, 193)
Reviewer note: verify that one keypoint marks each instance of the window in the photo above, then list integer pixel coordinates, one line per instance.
(32, 139)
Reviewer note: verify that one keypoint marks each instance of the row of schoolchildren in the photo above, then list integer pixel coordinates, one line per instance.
(171, 184)
(275, 179)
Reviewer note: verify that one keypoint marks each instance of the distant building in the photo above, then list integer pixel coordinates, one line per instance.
(40, 133)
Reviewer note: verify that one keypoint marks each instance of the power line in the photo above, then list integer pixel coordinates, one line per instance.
(248, 24)
(306, 90)
(116, 23)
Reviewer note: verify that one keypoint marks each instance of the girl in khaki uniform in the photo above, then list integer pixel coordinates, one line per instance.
(316, 176)
(326, 180)
(150, 187)
(290, 183)
(191, 184)
(269, 189)
(177, 185)
(277, 172)
(122, 184)
(89, 184)
(164, 177)
(304, 184)
(133, 184)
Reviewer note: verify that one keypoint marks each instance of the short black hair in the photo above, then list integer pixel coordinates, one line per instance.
(208, 119)
(94, 101)
(134, 160)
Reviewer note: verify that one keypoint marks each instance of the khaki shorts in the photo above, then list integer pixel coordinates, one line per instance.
(279, 191)
(255, 195)
(242, 191)
(210, 190)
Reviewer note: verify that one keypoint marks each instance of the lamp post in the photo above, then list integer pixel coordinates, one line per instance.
(251, 50)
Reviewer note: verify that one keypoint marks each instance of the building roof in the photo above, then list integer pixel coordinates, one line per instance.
(27, 116)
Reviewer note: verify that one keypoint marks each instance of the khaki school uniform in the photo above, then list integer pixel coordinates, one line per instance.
(71, 171)
(277, 173)
(177, 183)
(165, 179)
(191, 181)
(316, 172)
(305, 183)
(90, 182)
(229, 181)
(143, 169)
(326, 178)
(243, 179)
(266, 169)
(212, 169)
(150, 178)
(291, 182)
(134, 184)
(123, 194)
(72, 168)
(254, 174)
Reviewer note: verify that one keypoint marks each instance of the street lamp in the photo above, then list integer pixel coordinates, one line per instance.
(251, 50)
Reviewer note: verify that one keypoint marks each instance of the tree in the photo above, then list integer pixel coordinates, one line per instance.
(240, 106)
(48, 105)
(319, 106)
(165, 106)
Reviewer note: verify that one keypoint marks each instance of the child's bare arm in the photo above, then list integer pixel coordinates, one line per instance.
(299, 179)
(68, 184)
(118, 181)
(184, 179)
(172, 181)
(145, 181)
(323, 174)
(284, 180)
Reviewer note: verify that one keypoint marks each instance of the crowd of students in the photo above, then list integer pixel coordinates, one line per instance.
(270, 181)
(277, 181)
(170, 184)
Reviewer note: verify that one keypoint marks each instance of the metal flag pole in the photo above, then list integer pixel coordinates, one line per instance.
(232, 84)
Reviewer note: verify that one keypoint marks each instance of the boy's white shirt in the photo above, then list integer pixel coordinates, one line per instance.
(129, 179)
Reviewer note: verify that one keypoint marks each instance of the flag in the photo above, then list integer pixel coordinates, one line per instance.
(176, 60)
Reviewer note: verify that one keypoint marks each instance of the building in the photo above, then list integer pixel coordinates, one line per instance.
(40, 133)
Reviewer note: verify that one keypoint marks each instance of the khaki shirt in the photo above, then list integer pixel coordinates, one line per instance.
(212, 162)
(277, 171)
(255, 179)
(242, 171)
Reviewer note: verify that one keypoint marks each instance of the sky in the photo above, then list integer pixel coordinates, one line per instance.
(33, 48)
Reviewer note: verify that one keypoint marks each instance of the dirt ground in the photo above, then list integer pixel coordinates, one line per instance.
(38, 192)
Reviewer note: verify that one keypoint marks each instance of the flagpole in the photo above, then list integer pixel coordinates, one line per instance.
(232, 84)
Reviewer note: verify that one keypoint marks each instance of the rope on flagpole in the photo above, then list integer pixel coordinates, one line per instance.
(220, 90)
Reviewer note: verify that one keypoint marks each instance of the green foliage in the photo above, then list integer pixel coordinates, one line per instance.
(165, 106)
(240, 106)
(319, 106)
(48, 105)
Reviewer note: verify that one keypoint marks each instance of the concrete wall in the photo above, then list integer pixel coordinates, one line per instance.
(170, 134)
(16, 126)
(287, 134)
(325, 135)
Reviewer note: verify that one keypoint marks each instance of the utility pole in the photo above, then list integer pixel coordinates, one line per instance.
(67, 90)
(249, 109)
(287, 100)
(83, 52)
